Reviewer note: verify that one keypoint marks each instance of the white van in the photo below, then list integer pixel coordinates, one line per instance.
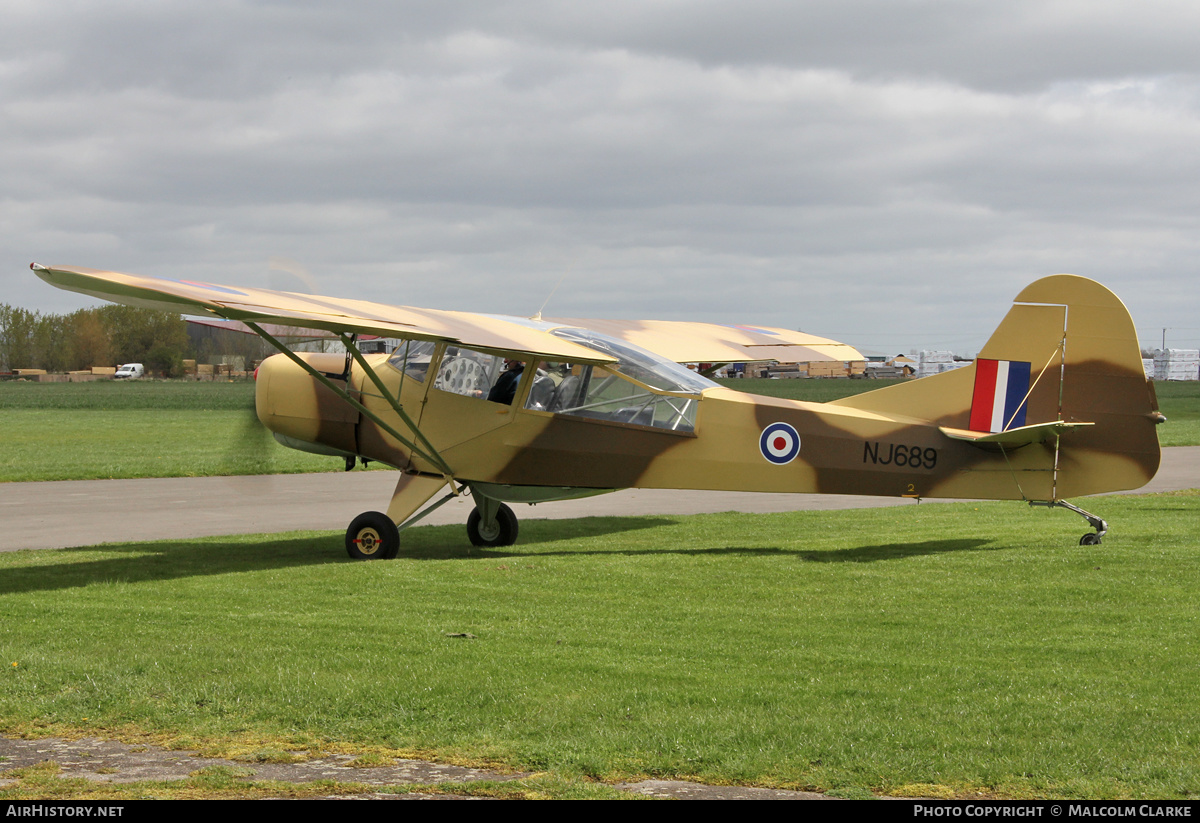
(130, 371)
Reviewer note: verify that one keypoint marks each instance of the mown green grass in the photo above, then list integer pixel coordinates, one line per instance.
(1180, 402)
(109, 429)
(128, 395)
(946, 647)
(78, 445)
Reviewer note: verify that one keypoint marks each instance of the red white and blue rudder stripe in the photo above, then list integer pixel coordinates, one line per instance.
(999, 400)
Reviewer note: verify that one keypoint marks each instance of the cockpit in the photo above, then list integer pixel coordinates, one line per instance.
(640, 389)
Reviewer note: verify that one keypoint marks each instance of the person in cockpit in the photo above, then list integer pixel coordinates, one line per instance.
(506, 385)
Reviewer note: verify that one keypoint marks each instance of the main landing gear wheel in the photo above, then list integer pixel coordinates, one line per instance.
(372, 536)
(502, 533)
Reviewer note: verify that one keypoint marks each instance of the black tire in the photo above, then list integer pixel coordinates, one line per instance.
(504, 533)
(372, 536)
(1090, 539)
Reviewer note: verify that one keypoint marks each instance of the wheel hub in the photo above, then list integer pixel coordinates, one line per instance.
(368, 541)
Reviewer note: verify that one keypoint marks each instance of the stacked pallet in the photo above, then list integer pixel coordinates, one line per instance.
(1177, 364)
(814, 368)
(935, 362)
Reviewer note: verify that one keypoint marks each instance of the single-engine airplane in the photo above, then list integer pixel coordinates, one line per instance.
(514, 410)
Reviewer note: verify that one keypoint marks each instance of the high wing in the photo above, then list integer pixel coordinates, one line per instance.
(681, 342)
(482, 331)
(713, 343)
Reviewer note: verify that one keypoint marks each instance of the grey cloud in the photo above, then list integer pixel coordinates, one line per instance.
(810, 164)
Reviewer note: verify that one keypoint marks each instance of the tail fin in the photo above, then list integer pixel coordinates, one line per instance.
(1063, 369)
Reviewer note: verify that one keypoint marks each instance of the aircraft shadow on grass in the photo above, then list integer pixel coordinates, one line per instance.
(179, 559)
(172, 560)
(898, 551)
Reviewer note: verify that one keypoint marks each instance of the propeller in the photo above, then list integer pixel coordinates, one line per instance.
(286, 265)
(251, 446)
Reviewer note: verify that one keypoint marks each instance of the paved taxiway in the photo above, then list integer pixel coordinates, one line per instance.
(86, 512)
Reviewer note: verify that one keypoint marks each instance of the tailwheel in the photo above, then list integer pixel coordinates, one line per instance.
(372, 536)
(1097, 523)
(502, 532)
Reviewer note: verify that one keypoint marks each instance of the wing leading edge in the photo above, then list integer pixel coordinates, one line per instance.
(309, 311)
(681, 342)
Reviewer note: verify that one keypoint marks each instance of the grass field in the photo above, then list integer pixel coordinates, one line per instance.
(129, 395)
(924, 650)
(106, 429)
(68, 431)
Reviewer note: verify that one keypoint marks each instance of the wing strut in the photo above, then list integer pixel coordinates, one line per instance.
(394, 402)
(428, 452)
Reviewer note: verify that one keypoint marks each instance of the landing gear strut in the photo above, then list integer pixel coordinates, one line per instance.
(1097, 523)
(376, 536)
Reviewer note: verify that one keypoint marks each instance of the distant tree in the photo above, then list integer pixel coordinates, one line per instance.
(133, 333)
(92, 337)
(51, 346)
(87, 340)
(164, 360)
(17, 328)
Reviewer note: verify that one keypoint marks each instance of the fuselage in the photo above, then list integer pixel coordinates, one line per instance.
(702, 437)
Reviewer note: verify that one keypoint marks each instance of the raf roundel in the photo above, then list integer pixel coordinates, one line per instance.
(779, 443)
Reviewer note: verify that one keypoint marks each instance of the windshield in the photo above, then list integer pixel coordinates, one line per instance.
(632, 391)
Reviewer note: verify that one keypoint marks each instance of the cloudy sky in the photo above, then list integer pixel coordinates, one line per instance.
(889, 173)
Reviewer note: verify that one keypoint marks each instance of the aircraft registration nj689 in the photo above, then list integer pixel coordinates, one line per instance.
(515, 410)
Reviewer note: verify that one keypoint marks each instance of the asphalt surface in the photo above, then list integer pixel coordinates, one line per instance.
(73, 513)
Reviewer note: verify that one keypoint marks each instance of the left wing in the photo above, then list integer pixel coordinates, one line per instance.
(714, 343)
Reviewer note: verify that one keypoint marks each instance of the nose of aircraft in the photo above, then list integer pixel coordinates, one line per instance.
(292, 403)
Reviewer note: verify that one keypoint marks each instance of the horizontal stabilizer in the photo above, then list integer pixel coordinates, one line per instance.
(1013, 438)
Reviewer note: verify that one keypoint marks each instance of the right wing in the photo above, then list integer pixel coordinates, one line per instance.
(482, 331)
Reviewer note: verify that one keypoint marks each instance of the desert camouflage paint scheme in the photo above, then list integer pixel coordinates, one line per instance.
(602, 405)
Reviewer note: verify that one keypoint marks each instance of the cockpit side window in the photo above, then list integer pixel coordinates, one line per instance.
(472, 373)
(467, 372)
(413, 357)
